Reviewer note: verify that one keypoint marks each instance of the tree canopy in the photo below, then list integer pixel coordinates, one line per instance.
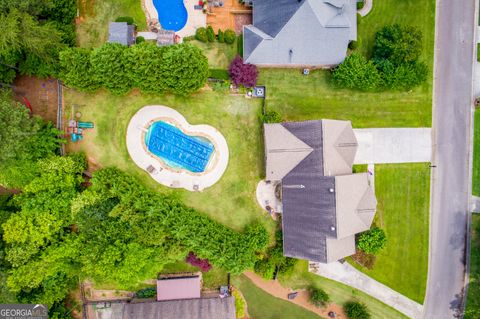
(372, 241)
(356, 72)
(398, 44)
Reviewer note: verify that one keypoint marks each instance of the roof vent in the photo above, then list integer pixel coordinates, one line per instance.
(332, 228)
(331, 190)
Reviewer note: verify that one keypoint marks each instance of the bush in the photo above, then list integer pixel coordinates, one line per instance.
(353, 45)
(239, 304)
(139, 40)
(220, 86)
(360, 5)
(230, 36)
(240, 45)
(220, 36)
(372, 241)
(265, 268)
(128, 20)
(356, 310)
(404, 76)
(201, 34)
(242, 73)
(219, 74)
(356, 72)
(203, 264)
(210, 34)
(146, 292)
(398, 43)
(271, 117)
(319, 297)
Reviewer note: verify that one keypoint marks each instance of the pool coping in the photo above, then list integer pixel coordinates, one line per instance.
(164, 174)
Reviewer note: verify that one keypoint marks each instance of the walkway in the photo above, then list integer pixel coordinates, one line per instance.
(352, 277)
(393, 145)
(274, 288)
(367, 7)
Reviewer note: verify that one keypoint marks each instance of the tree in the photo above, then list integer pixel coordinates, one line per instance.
(398, 43)
(356, 310)
(108, 64)
(243, 73)
(372, 241)
(220, 36)
(76, 70)
(184, 68)
(356, 72)
(201, 34)
(319, 297)
(229, 36)
(404, 76)
(271, 117)
(210, 34)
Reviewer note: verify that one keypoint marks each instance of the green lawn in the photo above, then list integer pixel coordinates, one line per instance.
(476, 155)
(472, 310)
(402, 192)
(300, 97)
(212, 279)
(262, 305)
(219, 54)
(232, 200)
(92, 31)
(338, 293)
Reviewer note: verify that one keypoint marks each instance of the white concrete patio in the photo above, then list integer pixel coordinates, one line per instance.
(393, 145)
(161, 172)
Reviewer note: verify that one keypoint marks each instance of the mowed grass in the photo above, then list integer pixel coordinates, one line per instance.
(402, 192)
(95, 15)
(299, 97)
(230, 201)
(473, 302)
(262, 305)
(476, 155)
(339, 293)
(219, 54)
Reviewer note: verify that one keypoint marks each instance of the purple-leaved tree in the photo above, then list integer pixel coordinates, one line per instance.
(243, 73)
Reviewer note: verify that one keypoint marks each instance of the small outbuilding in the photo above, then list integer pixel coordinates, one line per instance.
(165, 37)
(175, 287)
(121, 32)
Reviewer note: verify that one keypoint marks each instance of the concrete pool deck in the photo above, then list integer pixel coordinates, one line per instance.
(195, 20)
(161, 172)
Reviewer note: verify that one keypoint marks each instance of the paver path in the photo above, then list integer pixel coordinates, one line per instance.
(393, 145)
(367, 7)
(352, 277)
(274, 288)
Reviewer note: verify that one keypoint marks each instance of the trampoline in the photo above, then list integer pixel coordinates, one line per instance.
(178, 149)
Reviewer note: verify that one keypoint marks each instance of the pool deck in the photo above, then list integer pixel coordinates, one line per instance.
(161, 172)
(196, 18)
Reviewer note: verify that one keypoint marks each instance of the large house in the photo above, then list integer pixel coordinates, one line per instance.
(300, 32)
(324, 204)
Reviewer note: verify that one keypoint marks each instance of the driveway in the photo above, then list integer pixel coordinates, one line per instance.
(393, 145)
(452, 112)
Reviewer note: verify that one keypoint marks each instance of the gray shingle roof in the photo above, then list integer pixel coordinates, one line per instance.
(121, 32)
(306, 32)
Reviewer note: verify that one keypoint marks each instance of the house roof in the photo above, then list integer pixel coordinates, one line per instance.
(324, 204)
(203, 308)
(187, 287)
(121, 32)
(300, 32)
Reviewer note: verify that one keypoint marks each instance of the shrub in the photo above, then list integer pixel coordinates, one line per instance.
(271, 117)
(356, 72)
(139, 40)
(220, 36)
(319, 297)
(240, 45)
(219, 74)
(398, 43)
(220, 86)
(239, 304)
(356, 310)
(372, 241)
(203, 264)
(242, 73)
(353, 45)
(76, 70)
(201, 34)
(230, 36)
(360, 5)
(265, 268)
(210, 34)
(146, 293)
(128, 20)
(404, 76)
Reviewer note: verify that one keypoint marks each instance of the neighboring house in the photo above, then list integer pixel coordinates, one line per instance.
(324, 204)
(121, 32)
(300, 32)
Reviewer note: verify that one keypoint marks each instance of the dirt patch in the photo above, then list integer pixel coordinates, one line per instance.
(41, 93)
(274, 288)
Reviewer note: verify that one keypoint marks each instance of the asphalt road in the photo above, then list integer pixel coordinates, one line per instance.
(451, 142)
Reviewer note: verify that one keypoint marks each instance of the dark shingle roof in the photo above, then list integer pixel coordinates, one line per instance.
(271, 15)
(121, 32)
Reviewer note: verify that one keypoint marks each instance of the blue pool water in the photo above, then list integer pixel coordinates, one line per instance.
(172, 14)
(178, 149)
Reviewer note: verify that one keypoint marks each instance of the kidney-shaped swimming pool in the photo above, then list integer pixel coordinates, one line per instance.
(172, 14)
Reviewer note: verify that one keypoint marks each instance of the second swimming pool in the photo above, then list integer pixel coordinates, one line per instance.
(177, 149)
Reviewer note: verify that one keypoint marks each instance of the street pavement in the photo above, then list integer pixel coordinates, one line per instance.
(451, 146)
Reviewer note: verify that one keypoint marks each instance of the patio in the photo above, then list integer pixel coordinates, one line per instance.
(228, 14)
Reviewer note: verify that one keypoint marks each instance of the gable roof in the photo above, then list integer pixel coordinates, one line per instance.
(339, 147)
(300, 32)
(121, 32)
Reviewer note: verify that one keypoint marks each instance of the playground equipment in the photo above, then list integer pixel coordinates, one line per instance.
(76, 129)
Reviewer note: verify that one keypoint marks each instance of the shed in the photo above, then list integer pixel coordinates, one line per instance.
(121, 32)
(178, 287)
(165, 37)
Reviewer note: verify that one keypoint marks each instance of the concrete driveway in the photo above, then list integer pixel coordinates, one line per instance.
(393, 145)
